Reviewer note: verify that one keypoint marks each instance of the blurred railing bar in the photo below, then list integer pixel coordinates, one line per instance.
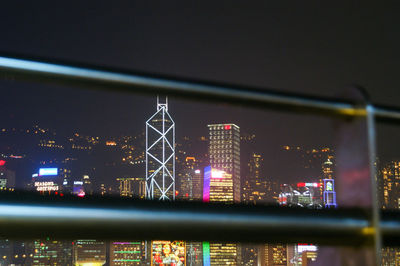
(89, 77)
(136, 219)
(27, 215)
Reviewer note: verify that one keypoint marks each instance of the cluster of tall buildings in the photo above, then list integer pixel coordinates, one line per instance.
(219, 180)
(214, 175)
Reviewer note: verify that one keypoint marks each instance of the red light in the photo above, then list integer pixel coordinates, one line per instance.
(301, 184)
(2, 162)
(187, 195)
(56, 193)
(176, 193)
(61, 194)
(227, 127)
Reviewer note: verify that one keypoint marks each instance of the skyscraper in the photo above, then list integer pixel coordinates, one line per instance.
(391, 185)
(189, 183)
(222, 184)
(389, 182)
(254, 187)
(218, 186)
(160, 154)
(224, 152)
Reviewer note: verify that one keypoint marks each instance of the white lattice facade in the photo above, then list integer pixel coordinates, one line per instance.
(160, 155)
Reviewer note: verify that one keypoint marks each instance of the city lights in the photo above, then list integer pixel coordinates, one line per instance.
(220, 165)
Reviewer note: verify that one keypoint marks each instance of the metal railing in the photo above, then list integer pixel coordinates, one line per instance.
(365, 226)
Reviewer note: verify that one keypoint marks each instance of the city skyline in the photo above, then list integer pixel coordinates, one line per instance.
(225, 151)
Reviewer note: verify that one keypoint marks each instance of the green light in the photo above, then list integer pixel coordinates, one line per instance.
(126, 251)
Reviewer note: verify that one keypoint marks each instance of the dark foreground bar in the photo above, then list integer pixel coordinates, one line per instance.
(90, 77)
(27, 215)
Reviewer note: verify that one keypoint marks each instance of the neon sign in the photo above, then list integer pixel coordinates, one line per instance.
(46, 186)
(48, 171)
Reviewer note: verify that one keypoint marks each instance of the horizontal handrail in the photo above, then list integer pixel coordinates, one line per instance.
(114, 218)
(91, 77)
(25, 215)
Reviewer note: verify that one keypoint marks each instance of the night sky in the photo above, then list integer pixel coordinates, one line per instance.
(314, 48)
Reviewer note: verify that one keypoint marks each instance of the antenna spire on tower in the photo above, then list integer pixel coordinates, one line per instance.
(164, 104)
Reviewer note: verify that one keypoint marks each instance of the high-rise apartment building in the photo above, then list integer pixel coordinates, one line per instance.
(160, 154)
(254, 187)
(224, 152)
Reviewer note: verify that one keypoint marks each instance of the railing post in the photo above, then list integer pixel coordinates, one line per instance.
(355, 180)
(371, 127)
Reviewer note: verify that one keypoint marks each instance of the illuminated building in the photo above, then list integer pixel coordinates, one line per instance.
(126, 253)
(329, 193)
(218, 187)
(132, 187)
(274, 255)
(47, 180)
(160, 154)
(168, 253)
(197, 188)
(302, 196)
(103, 189)
(222, 182)
(194, 253)
(52, 252)
(250, 253)
(125, 187)
(389, 182)
(89, 252)
(327, 168)
(87, 185)
(224, 152)
(254, 188)
(7, 177)
(78, 189)
(391, 185)
(139, 187)
(308, 257)
(190, 183)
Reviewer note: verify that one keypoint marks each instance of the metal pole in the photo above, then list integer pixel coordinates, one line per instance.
(371, 134)
(63, 74)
